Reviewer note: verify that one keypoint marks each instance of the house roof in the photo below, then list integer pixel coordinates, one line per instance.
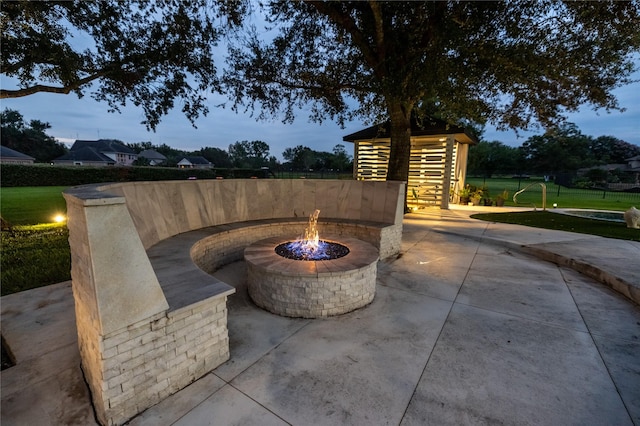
(86, 154)
(429, 127)
(196, 160)
(12, 153)
(103, 145)
(151, 154)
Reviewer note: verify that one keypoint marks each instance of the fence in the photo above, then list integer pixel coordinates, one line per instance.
(562, 195)
(311, 174)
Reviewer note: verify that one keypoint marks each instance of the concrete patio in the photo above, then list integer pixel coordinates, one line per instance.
(467, 327)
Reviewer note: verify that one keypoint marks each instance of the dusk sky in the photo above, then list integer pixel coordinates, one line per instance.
(72, 118)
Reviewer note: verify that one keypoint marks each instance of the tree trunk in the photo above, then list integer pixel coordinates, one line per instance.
(400, 143)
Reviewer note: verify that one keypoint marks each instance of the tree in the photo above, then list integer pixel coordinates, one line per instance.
(30, 138)
(148, 53)
(300, 157)
(509, 63)
(341, 160)
(218, 157)
(610, 150)
(245, 154)
(487, 158)
(141, 146)
(562, 149)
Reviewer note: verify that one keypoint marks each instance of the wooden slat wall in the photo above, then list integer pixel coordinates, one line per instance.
(426, 168)
(373, 160)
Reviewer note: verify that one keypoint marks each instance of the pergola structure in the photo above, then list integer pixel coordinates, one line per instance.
(438, 165)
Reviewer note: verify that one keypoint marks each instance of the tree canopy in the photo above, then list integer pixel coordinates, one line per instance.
(304, 158)
(152, 54)
(565, 149)
(29, 138)
(245, 154)
(513, 64)
(488, 158)
(561, 149)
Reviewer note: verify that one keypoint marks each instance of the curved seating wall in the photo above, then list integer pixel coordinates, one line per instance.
(162, 209)
(149, 321)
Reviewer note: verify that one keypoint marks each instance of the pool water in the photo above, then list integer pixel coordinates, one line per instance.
(607, 215)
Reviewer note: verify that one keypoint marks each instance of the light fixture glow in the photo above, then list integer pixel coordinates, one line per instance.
(59, 218)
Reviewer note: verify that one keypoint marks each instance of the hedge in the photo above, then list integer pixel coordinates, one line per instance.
(46, 175)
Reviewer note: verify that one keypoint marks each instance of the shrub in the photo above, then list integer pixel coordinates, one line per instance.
(44, 175)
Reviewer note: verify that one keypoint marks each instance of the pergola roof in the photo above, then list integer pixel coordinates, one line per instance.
(428, 127)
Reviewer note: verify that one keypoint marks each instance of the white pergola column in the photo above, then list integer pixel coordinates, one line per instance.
(448, 167)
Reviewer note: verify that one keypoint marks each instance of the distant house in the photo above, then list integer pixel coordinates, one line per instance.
(153, 156)
(633, 163)
(195, 163)
(438, 159)
(11, 156)
(86, 156)
(103, 152)
(631, 167)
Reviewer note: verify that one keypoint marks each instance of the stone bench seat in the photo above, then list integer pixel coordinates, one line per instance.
(183, 263)
(181, 280)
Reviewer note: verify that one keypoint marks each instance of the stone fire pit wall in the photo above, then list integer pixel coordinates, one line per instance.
(311, 288)
(137, 344)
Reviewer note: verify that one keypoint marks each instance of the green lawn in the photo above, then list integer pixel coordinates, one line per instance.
(563, 197)
(35, 252)
(32, 205)
(34, 256)
(561, 222)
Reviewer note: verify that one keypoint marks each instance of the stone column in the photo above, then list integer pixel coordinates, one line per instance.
(114, 285)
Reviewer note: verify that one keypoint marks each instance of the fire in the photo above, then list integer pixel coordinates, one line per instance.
(311, 238)
(310, 247)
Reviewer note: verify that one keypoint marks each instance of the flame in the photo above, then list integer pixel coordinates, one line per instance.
(310, 247)
(311, 238)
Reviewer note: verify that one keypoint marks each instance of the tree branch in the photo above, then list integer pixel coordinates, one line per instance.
(64, 90)
(285, 83)
(344, 21)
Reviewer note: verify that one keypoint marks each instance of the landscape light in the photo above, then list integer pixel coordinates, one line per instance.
(59, 218)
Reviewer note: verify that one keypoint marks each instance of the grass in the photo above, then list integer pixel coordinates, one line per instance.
(560, 222)
(32, 205)
(35, 252)
(34, 256)
(563, 197)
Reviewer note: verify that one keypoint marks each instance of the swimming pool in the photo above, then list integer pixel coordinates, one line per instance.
(606, 215)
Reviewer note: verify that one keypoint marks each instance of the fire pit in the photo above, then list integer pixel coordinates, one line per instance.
(309, 277)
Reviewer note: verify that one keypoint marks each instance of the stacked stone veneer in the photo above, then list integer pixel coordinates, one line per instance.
(140, 365)
(135, 348)
(311, 289)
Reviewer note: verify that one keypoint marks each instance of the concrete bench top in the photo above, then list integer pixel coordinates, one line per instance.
(182, 282)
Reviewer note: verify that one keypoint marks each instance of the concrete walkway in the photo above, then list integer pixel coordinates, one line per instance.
(469, 326)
